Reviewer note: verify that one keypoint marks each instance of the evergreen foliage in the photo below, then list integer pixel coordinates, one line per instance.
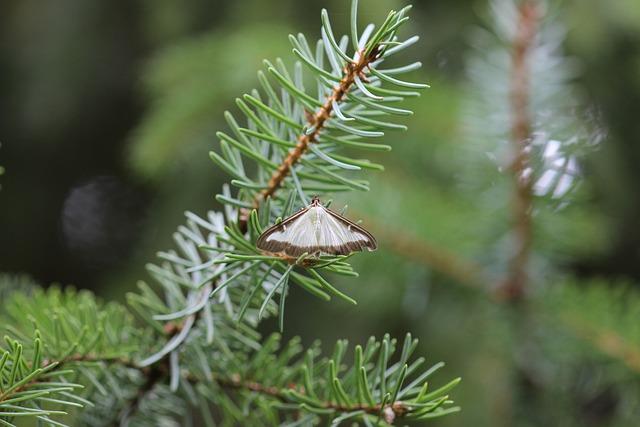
(555, 327)
(566, 343)
(191, 341)
(548, 348)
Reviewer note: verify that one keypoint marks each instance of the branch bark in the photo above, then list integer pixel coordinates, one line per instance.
(159, 371)
(607, 341)
(316, 121)
(458, 268)
(390, 411)
(521, 128)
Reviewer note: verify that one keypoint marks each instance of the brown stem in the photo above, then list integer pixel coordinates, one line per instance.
(519, 99)
(159, 371)
(92, 358)
(448, 263)
(315, 121)
(154, 375)
(390, 411)
(607, 341)
(89, 358)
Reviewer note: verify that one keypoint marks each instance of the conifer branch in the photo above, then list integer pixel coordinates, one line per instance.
(159, 371)
(390, 411)
(316, 121)
(605, 338)
(373, 386)
(463, 271)
(154, 375)
(599, 314)
(531, 132)
(521, 136)
(197, 333)
(608, 341)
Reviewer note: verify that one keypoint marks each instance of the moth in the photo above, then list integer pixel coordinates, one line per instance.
(315, 230)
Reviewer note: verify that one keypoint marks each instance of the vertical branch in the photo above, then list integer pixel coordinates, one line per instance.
(461, 270)
(514, 287)
(607, 340)
(519, 99)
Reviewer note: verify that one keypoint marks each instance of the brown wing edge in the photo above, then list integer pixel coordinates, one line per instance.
(295, 251)
(290, 250)
(262, 244)
(373, 243)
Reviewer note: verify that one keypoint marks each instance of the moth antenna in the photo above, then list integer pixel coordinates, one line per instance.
(326, 205)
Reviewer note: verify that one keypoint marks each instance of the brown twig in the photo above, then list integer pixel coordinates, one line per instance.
(463, 271)
(519, 98)
(89, 358)
(159, 371)
(390, 411)
(315, 121)
(153, 376)
(92, 358)
(467, 273)
(607, 341)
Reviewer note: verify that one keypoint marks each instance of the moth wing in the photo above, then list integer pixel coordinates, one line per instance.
(345, 236)
(316, 229)
(293, 236)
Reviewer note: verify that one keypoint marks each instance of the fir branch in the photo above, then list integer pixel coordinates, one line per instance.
(91, 359)
(316, 121)
(593, 313)
(608, 341)
(531, 129)
(521, 128)
(233, 258)
(198, 331)
(25, 387)
(372, 386)
(286, 382)
(346, 92)
(154, 375)
(390, 411)
(603, 315)
(463, 271)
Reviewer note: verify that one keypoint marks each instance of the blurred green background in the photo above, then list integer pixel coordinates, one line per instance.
(108, 110)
